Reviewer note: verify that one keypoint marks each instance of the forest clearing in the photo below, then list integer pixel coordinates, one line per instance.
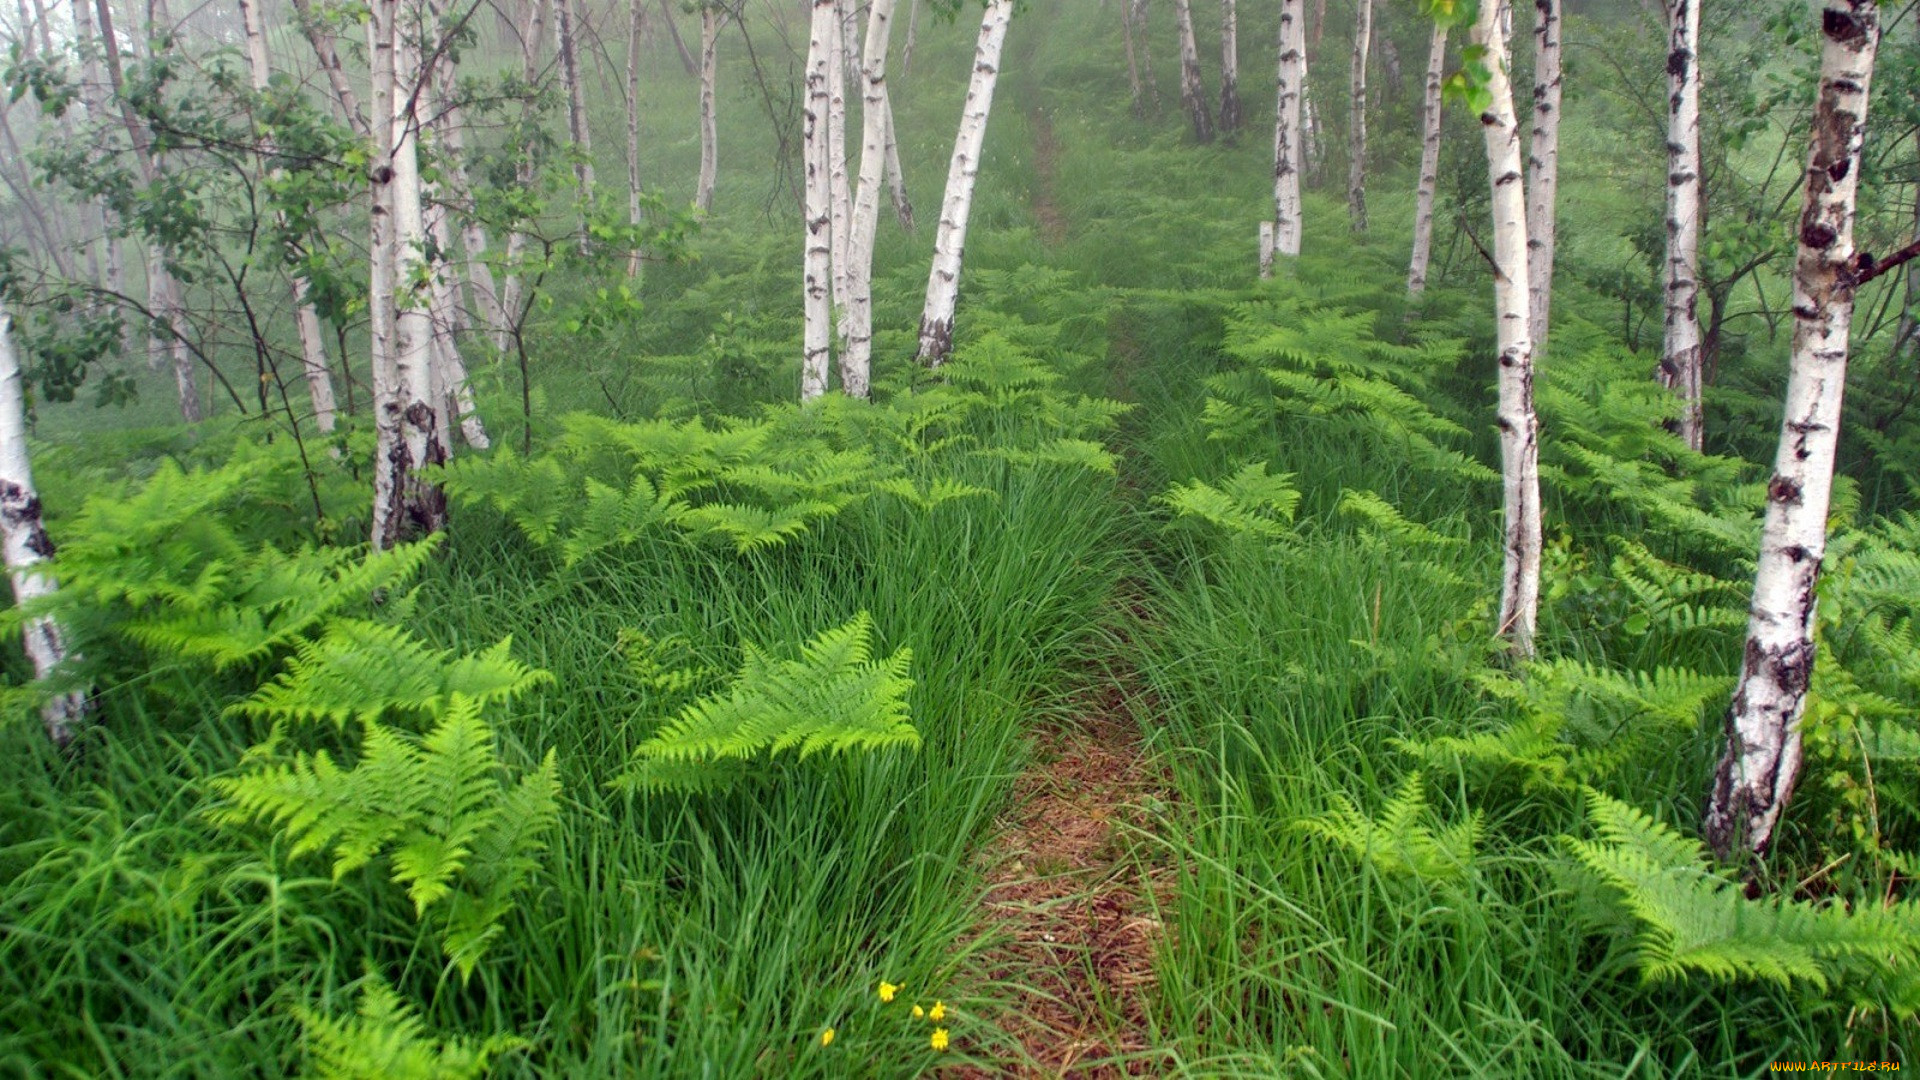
(965, 538)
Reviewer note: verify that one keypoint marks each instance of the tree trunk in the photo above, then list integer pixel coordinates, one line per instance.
(450, 126)
(313, 348)
(1133, 59)
(93, 98)
(1229, 69)
(896, 179)
(679, 43)
(1909, 332)
(709, 123)
(26, 544)
(1756, 776)
(1519, 428)
(1312, 147)
(1145, 45)
(636, 24)
(1193, 95)
(1357, 120)
(856, 360)
(1429, 163)
(329, 56)
(817, 338)
(1543, 168)
(524, 173)
(839, 184)
(1286, 129)
(578, 132)
(1680, 354)
(943, 283)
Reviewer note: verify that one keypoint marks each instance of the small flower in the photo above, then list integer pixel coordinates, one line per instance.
(826, 1037)
(939, 1040)
(918, 1012)
(939, 1011)
(887, 990)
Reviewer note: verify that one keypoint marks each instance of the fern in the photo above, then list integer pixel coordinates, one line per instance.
(1249, 503)
(834, 698)
(1399, 841)
(436, 808)
(1385, 520)
(1693, 921)
(385, 1040)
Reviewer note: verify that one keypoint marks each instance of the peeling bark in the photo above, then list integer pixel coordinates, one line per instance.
(1289, 83)
(709, 120)
(1519, 427)
(817, 337)
(1543, 167)
(1357, 120)
(1229, 68)
(1193, 95)
(1756, 775)
(943, 282)
(1430, 113)
(1680, 354)
(839, 185)
(856, 361)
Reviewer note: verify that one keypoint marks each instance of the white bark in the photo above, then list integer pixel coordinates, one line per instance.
(949, 243)
(93, 99)
(450, 126)
(839, 184)
(1519, 428)
(329, 56)
(1144, 43)
(1229, 68)
(1193, 95)
(1133, 60)
(24, 538)
(1286, 129)
(578, 132)
(856, 360)
(1266, 249)
(636, 24)
(1756, 776)
(817, 335)
(1357, 119)
(1543, 167)
(913, 27)
(313, 348)
(1680, 351)
(896, 179)
(709, 122)
(1429, 163)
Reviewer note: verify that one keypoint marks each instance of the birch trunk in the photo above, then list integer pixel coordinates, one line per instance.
(313, 348)
(1193, 95)
(1909, 333)
(1145, 45)
(856, 361)
(1357, 120)
(839, 184)
(578, 132)
(24, 538)
(896, 179)
(1679, 369)
(1756, 776)
(1133, 60)
(1286, 129)
(950, 239)
(679, 43)
(1229, 69)
(1313, 147)
(709, 124)
(1519, 428)
(93, 99)
(511, 302)
(1430, 117)
(817, 334)
(328, 54)
(1543, 167)
(913, 27)
(450, 126)
(636, 24)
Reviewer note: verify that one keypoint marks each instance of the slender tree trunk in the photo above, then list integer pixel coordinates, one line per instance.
(679, 43)
(943, 283)
(525, 168)
(636, 24)
(1133, 60)
(1756, 776)
(1429, 163)
(22, 187)
(1286, 129)
(1357, 120)
(1519, 428)
(450, 126)
(313, 347)
(1909, 332)
(839, 184)
(324, 49)
(1144, 34)
(913, 28)
(1680, 355)
(817, 339)
(1543, 168)
(93, 98)
(896, 179)
(709, 123)
(1193, 95)
(856, 361)
(1313, 147)
(1229, 69)
(25, 541)
(578, 132)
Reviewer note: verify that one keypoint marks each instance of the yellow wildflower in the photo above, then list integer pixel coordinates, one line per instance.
(939, 1040)
(826, 1037)
(887, 990)
(918, 1012)
(939, 1011)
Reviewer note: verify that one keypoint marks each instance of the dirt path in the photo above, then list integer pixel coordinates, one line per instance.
(1046, 165)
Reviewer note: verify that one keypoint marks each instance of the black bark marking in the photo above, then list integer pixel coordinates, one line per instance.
(1818, 234)
(1783, 489)
(1844, 27)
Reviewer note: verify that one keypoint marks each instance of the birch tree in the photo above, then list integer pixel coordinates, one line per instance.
(1680, 358)
(24, 539)
(1229, 68)
(856, 360)
(1286, 134)
(636, 26)
(313, 349)
(1430, 117)
(93, 101)
(1519, 428)
(817, 284)
(1357, 119)
(949, 242)
(1757, 773)
(710, 16)
(1144, 42)
(525, 168)
(1193, 95)
(839, 184)
(579, 135)
(1543, 166)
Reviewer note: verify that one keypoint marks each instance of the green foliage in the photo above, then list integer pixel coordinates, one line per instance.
(1249, 503)
(1399, 841)
(452, 829)
(1695, 922)
(386, 1040)
(834, 698)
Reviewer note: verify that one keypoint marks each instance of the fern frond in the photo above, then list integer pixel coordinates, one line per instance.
(1387, 521)
(1249, 503)
(385, 1040)
(1399, 841)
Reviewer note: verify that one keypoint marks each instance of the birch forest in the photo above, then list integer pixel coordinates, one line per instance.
(959, 538)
